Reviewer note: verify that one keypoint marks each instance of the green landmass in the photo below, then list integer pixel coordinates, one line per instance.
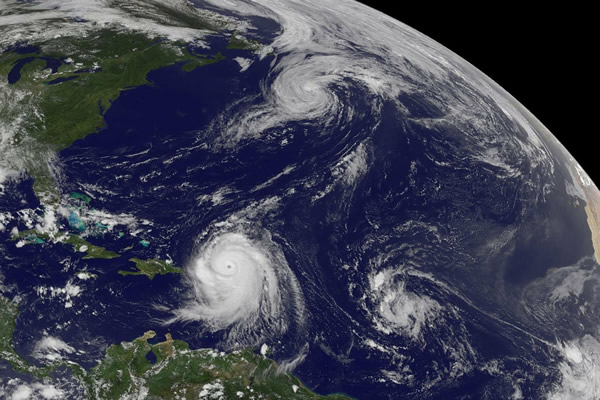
(177, 372)
(76, 242)
(181, 373)
(151, 268)
(113, 61)
(90, 250)
(105, 63)
(238, 42)
(8, 317)
(202, 61)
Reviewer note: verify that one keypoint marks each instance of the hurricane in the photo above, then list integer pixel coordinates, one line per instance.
(242, 283)
(304, 187)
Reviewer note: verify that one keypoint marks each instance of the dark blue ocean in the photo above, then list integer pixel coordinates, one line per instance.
(159, 153)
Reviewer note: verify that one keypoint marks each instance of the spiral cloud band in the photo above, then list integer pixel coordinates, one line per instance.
(327, 49)
(236, 280)
(244, 285)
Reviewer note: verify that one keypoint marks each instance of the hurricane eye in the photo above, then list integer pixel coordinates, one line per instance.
(228, 269)
(241, 283)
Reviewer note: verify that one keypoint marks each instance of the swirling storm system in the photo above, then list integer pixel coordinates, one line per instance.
(303, 198)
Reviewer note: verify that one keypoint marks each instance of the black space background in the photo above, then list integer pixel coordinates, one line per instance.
(543, 56)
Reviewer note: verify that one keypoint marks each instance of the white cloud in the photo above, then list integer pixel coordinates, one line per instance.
(22, 392)
(397, 309)
(580, 370)
(51, 348)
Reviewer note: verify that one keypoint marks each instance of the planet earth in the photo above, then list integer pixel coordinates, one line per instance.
(263, 199)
